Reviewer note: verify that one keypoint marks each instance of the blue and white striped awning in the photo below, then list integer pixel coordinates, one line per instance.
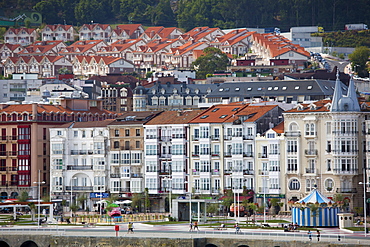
(315, 196)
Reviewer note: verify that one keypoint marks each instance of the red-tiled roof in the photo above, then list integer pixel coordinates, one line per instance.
(279, 128)
(174, 117)
(318, 106)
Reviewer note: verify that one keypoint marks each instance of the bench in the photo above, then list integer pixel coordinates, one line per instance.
(266, 225)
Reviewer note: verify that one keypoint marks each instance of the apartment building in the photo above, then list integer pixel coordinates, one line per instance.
(324, 147)
(79, 162)
(25, 141)
(166, 152)
(222, 150)
(126, 157)
(270, 165)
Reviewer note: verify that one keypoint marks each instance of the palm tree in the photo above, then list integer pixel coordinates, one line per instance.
(82, 199)
(23, 197)
(33, 209)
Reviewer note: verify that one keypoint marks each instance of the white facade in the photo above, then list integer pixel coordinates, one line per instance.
(78, 162)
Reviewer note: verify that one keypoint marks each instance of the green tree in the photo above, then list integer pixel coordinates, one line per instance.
(23, 197)
(212, 60)
(228, 200)
(136, 201)
(359, 58)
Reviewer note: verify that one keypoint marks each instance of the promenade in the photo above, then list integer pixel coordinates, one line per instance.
(181, 231)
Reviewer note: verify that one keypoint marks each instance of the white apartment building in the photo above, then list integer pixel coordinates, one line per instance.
(79, 162)
(166, 150)
(270, 182)
(324, 147)
(222, 149)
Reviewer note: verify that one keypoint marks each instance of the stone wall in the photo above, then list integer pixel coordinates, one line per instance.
(21, 240)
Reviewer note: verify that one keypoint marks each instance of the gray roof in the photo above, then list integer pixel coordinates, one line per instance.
(255, 89)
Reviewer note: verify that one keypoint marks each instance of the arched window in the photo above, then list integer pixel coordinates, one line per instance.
(294, 184)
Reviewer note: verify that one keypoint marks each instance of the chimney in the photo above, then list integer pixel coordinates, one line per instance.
(34, 110)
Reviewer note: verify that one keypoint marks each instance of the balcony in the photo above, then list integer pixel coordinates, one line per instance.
(165, 138)
(227, 154)
(8, 138)
(195, 154)
(115, 175)
(164, 172)
(262, 155)
(215, 172)
(8, 169)
(263, 172)
(9, 183)
(347, 190)
(79, 188)
(81, 152)
(311, 170)
(248, 137)
(310, 152)
(345, 152)
(215, 138)
(262, 190)
(345, 171)
(151, 137)
(195, 138)
(292, 134)
(227, 137)
(248, 154)
(309, 134)
(195, 172)
(84, 168)
(137, 175)
(248, 172)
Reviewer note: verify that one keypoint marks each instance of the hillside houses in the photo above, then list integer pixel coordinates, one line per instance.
(158, 48)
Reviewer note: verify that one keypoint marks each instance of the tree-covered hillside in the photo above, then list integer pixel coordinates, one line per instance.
(330, 14)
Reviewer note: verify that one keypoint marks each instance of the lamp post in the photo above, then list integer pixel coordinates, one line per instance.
(364, 206)
(169, 188)
(39, 199)
(264, 200)
(71, 201)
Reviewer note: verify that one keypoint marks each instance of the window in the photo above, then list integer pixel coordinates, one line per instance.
(328, 165)
(294, 184)
(127, 132)
(116, 144)
(75, 133)
(292, 164)
(178, 149)
(292, 146)
(137, 132)
(151, 166)
(151, 150)
(329, 184)
(137, 144)
(116, 133)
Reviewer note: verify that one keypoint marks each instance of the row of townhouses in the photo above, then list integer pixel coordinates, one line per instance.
(237, 146)
(157, 48)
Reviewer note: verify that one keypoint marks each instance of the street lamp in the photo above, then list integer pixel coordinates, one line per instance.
(264, 200)
(71, 202)
(39, 199)
(169, 187)
(364, 205)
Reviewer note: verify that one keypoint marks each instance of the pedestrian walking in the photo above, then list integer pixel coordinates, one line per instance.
(309, 235)
(191, 227)
(318, 236)
(237, 228)
(196, 226)
(130, 227)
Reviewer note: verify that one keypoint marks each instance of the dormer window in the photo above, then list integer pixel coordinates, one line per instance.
(249, 89)
(204, 116)
(223, 116)
(283, 88)
(296, 87)
(309, 87)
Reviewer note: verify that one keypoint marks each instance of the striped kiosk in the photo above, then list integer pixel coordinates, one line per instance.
(315, 210)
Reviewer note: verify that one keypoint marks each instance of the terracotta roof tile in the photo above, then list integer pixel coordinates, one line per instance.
(174, 117)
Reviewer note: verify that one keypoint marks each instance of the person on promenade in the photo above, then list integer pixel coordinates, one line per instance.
(196, 226)
(191, 227)
(130, 227)
(237, 228)
(309, 235)
(318, 236)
